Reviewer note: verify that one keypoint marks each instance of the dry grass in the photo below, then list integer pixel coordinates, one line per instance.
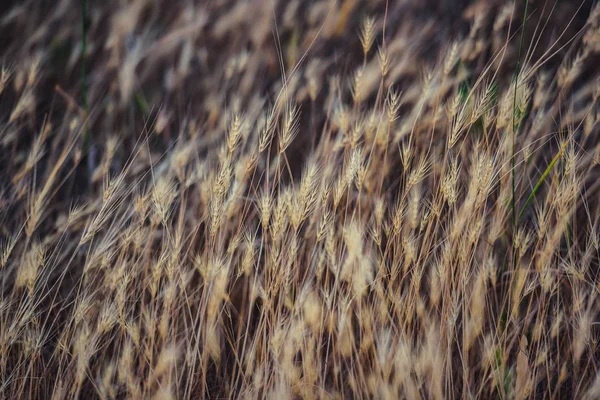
(300, 199)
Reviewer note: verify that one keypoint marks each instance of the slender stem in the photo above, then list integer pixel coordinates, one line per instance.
(83, 70)
(514, 136)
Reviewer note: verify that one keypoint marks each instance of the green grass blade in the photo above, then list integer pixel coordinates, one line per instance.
(86, 139)
(541, 180)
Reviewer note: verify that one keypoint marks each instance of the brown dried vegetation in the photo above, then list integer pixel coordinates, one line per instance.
(299, 199)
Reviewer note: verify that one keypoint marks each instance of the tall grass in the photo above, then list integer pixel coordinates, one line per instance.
(303, 208)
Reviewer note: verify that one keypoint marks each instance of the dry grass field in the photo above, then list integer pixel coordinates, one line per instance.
(273, 199)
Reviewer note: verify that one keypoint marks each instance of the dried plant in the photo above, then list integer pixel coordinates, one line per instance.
(243, 199)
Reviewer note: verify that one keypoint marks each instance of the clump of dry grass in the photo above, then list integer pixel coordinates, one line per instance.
(300, 199)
